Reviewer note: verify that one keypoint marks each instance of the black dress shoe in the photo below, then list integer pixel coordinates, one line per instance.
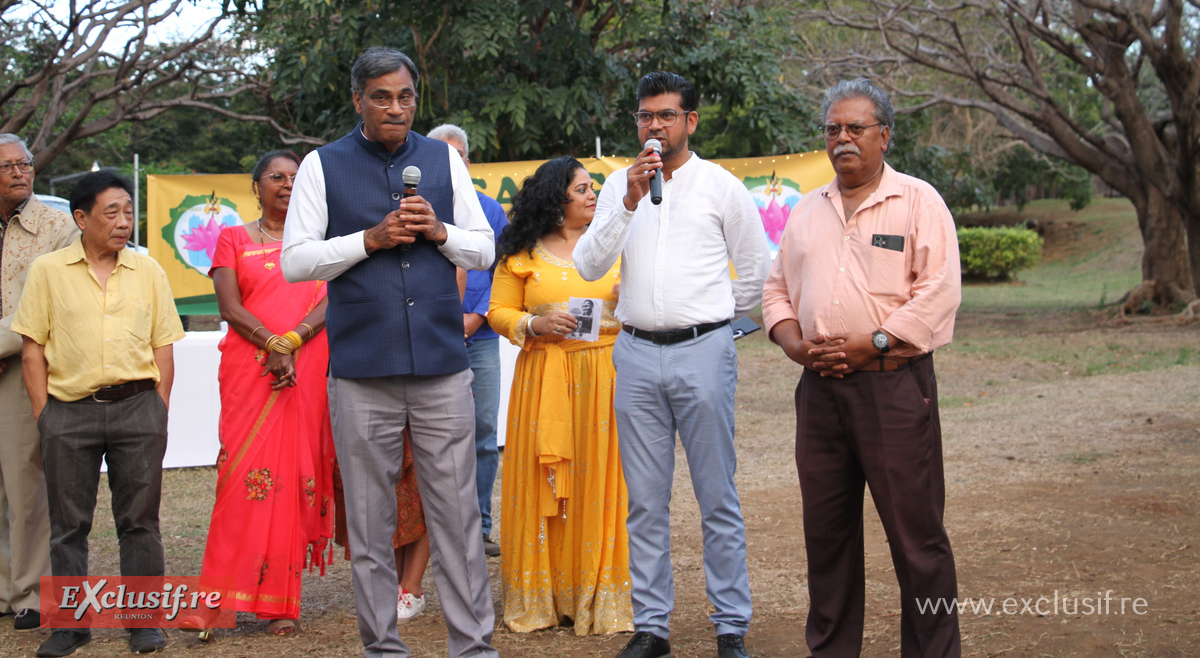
(146, 640)
(490, 548)
(646, 645)
(731, 646)
(63, 642)
(27, 619)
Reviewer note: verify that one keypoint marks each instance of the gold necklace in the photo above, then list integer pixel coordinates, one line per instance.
(266, 257)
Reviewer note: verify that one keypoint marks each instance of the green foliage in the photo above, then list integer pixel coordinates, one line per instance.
(538, 78)
(993, 253)
(1020, 169)
(948, 169)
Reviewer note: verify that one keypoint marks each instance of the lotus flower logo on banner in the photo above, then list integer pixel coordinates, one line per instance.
(775, 198)
(194, 227)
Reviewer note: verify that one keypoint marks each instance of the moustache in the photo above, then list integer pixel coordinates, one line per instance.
(841, 149)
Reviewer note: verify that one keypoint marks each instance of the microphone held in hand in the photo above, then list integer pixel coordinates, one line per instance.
(656, 179)
(412, 178)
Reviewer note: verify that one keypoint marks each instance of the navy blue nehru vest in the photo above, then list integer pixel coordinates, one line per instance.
(397, 312)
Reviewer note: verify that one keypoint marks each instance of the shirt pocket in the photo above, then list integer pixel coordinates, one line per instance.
(883, 272)
(138, 320)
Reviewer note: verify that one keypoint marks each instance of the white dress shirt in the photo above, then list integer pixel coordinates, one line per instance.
(675, 256)
(308, 256)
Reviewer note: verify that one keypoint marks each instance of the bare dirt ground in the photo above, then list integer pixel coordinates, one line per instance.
(1058, 482)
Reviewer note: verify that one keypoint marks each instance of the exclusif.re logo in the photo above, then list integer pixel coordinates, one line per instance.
(136, 602)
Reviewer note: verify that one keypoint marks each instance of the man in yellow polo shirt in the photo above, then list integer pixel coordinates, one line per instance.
(99, 321)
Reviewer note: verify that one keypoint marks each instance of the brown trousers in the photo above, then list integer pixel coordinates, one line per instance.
(879, 429)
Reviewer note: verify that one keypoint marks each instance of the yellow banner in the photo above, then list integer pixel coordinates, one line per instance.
(185, 213)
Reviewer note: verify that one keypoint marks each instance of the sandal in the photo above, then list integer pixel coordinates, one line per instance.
(281, 627)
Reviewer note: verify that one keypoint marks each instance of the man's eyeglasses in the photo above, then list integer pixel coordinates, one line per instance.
(23, 167)
(855, 130)
(277, 177)
(406, 100)
(666, 118)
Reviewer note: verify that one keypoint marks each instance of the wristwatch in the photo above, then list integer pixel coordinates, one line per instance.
(881, 341)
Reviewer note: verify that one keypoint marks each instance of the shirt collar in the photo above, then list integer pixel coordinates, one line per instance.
(76, 254)
(17, 213)
(889, 185)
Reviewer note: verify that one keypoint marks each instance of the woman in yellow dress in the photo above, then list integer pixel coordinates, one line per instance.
(564, 546)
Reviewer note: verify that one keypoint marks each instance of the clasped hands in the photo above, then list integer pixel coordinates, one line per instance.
(414, 217)
(832, 355)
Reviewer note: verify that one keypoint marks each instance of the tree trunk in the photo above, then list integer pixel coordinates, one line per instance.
(1165, 260)
(1192, 225)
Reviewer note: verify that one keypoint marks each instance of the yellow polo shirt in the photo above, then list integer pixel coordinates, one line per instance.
(96, 337)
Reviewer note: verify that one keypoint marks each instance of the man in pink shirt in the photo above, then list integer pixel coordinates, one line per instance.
(864, 288)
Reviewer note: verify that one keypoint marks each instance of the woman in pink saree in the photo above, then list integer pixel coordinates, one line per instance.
(273, 514)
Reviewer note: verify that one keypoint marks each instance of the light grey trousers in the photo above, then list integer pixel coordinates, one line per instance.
(369, 416)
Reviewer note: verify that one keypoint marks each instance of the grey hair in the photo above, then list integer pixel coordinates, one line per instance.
(450, 131)
(9, 138)
(378, 61)
(885, 113)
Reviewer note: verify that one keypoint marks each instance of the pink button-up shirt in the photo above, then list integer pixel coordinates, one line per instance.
(832, 275)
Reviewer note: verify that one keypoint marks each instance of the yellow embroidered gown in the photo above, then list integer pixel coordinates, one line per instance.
(564, 545)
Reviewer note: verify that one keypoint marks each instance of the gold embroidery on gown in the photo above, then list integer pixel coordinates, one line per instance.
(564, 545)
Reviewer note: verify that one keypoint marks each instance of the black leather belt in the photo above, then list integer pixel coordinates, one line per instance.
(123, 391)
(672, 336)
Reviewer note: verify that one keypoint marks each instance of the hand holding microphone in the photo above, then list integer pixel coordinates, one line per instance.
(412, 218)
(644, 176)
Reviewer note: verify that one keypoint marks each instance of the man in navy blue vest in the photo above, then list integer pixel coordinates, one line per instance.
(396, 353)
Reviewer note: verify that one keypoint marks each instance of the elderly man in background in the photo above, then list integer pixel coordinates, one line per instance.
(483, 347)
(396, 351)
(863, 290)
(99, 323)
(28, 229)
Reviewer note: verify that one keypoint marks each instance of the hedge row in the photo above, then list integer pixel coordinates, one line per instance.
(997, 253)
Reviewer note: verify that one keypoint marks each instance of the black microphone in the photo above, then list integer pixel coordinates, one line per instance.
(412, 178)
(656, 179)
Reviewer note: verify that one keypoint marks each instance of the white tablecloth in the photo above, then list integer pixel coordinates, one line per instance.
(196, 402)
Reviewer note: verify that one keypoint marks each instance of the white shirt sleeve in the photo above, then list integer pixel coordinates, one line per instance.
(307, 255)
(748, 247)
(599, 248)
(469, 241)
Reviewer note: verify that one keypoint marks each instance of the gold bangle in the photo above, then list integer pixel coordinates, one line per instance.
(279, 344)
(311, 333)
(255, 332)
(293, 338)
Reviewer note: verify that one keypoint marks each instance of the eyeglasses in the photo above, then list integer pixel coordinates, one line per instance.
(666, 118)
(854, 130)
(406, 99)
(277, 177)
(23, 167)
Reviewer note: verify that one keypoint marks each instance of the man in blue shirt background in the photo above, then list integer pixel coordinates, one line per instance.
(483, 347)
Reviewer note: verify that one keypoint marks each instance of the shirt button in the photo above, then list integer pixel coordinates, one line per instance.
(404, 264)
(836, 302)
(108, 366)
(841, 269)
(396, 197)
(390, 165)
(410, 301)
(847, 237)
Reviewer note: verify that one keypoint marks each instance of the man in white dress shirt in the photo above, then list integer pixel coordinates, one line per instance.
(676, 362)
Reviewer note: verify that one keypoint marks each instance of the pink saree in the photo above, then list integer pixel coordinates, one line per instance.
(273, 514)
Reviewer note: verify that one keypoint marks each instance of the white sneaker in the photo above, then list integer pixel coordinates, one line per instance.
(408, 606)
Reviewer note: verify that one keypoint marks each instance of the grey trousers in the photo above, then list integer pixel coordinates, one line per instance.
(131, 436)
(687, 388)
(24, 515)
(369, 416)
